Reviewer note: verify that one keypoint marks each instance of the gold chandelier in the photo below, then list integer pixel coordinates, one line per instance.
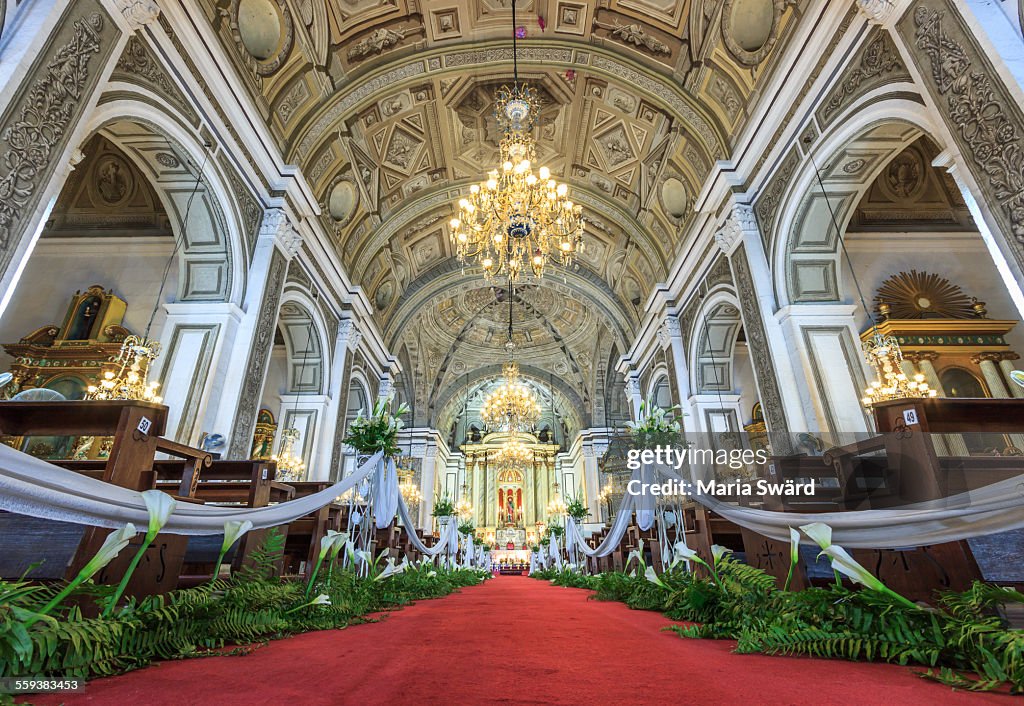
(407, 487)
(513, 454)
(557, 506)
(464, 508)
(130, 381)
(891, 383)
(515, 218)
(289, 465)
(512, 406)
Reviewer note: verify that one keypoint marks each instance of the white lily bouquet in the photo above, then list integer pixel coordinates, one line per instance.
(656, 426)
(379, 431)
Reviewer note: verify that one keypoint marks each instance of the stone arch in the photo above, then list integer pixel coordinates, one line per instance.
(713, 341)
(807, 249)
(213, 248)
(304, 330)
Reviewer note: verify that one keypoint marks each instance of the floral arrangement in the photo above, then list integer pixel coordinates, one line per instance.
(576, 509)
(466, 528)
(443, 507)
(656, 426)
(555, 531)
(379, 431)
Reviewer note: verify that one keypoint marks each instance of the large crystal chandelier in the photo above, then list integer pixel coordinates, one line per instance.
(406, 485)
(464, 508)
(129, 382)
(891, 383)
(513, 454)
(290, 466)
(517, 218)
(511, 406)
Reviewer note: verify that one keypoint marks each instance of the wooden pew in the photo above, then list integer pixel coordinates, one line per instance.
(302, 546)
(136, 428)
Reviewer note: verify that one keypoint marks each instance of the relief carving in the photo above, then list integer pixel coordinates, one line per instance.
(41, 120)
(877, 63)
(985, 120)
(757, 340)
(259, 354)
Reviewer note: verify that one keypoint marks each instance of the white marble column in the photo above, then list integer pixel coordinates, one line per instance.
(1007, 365)
(991, 372)
(741, 229)
(241, 377)
(427, 483)
(334, 413)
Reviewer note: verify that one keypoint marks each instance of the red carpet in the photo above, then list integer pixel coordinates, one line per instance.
(515, 640)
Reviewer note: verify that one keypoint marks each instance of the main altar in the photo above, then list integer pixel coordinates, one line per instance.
(510, 497)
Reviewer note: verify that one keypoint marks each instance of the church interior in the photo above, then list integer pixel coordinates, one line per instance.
(314, 310)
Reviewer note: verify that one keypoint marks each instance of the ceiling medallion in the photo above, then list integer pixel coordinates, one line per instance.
(517, 219)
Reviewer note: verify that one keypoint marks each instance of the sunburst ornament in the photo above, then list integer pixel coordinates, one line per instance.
(924, 295)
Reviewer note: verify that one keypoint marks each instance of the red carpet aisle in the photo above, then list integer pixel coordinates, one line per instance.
(515, 641)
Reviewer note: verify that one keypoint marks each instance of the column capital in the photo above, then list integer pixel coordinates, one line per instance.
(387, 386)
(918, 356)
(349, 334)
(987, 357)
(878, 12)
(138, 13)
(739, 223)
(278, 226)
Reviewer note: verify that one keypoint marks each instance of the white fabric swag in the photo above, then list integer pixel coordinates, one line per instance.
(30, 486)
(449, 534)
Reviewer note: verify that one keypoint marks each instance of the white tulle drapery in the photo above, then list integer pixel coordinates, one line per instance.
(998, 507)
(29, 486)
(385, 493)
(449, 533)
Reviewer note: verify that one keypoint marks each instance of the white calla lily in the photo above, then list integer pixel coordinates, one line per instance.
(390, 569)
(233, 531)
(112, 545)
(819, 532)
(718, 551)
(637, 554)
(794, 556)
(652, 576)
(159, 505)
(681, 552)
(322, 599)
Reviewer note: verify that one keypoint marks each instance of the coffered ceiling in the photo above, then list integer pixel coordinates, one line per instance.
(386, 107)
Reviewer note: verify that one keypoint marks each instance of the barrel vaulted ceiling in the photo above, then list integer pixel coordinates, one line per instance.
(385, 105)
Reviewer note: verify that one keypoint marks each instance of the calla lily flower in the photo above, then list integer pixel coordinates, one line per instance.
(322, 599)
(159, 505)
(637, 554)
(652, 576)
(819, 532)
(681, 552)
(233, 531)
(391, 569)
(848, 566)
(718, 551)
(111, 547)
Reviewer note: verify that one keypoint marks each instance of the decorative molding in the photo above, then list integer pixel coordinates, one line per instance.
(137, 64)
(877, 63)
(983, 118)
(138, 13)
(38, 124)
(349, 334)
(767, 206)
(250, 210)
(259, 356)
(757, 343)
